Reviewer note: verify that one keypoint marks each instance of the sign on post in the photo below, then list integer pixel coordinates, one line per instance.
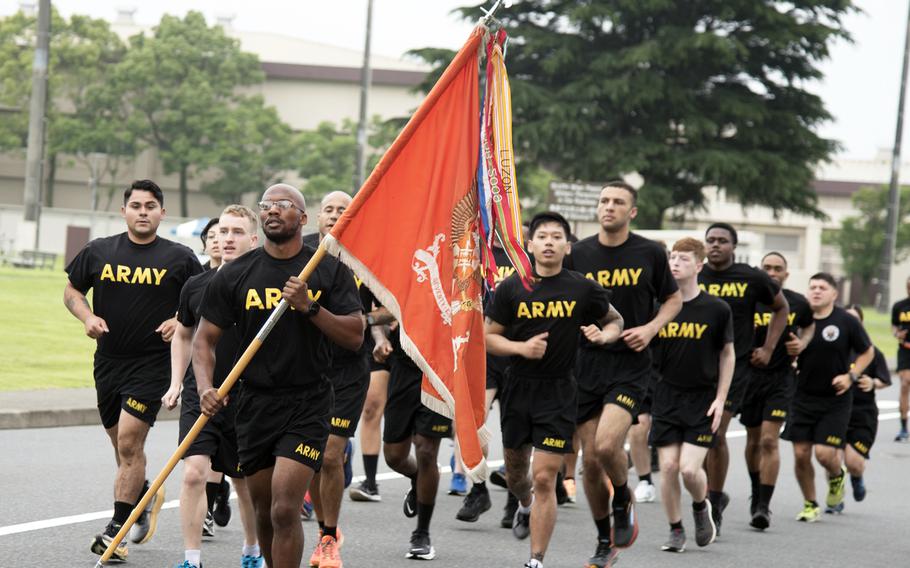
(575, 200)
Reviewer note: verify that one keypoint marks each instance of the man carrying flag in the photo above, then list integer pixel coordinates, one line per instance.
(283, 408)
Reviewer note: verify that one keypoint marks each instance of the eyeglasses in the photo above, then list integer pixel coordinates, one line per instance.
(283, 204)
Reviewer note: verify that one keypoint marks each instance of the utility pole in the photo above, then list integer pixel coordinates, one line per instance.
(36, 122)
(894, 195)
(365, 80)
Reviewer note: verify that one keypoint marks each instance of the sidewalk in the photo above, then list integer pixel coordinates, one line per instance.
(55, 407)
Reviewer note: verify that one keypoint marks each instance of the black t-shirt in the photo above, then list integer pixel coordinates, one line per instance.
(558, 304)
(637, 272)
(877, 369)
(691, 344)
(504, 269)
(743, 288)
(900, 316)
(245, 292)
(189, 313)
(837, 337)
(134, 289)
(800, 317)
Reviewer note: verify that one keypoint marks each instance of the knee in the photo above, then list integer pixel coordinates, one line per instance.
(129, 449)
(544, 482)
(593, 471)
(768, 444)
(802, 455)
(669, 468)
(370, 411)
(333, 456)
(690, 473)
(425, 453)
(606, 446)
(193, 475)
(283, 514)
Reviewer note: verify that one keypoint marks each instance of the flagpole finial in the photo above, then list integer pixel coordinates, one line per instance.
(488, 14)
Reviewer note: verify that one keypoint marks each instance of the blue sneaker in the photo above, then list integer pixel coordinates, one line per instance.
(859, 488)
(902, 436)
(348, 469)
(459, 485)
(188, 564)
(247, 561)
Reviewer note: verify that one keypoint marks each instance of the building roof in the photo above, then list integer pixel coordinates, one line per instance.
(832, 188)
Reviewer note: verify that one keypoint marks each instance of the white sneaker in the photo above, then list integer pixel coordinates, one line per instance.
(645, 492)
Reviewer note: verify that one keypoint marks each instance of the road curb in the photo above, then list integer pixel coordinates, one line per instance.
(13, 418)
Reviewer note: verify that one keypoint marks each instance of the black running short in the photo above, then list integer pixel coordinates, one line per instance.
(611, 377)
(538, 411)
(496, 369)
(405, 414)
(819, 419)
(647, 402)
(291, 424)
(679, 415)
(351, 381)
(218, 438)
(133, 385)
(767, 397)
(742, 373)
(862, 428)
(903, 359)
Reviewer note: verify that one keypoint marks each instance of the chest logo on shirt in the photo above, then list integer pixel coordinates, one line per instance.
(270, 298)
(903, 317)
(764, 320)
(726, 290)
(616, 277)
(683, 330)
(133, 275)
(553, 309)
(831, 333)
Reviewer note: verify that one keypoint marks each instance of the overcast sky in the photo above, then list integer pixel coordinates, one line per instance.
(860, 88)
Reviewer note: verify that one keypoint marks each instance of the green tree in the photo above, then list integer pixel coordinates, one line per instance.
(326, 155)
(254, 147)
(862, 237)
(688, 94)
(179, 84)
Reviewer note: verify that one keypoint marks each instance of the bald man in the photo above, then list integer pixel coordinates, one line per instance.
(350, 376)
(284, 407)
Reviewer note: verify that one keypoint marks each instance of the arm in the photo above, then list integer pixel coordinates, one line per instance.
(607, 330)
(639, 337)
(181, 347)
(498, 344)
(796, 344)
(345, 330)
(76, 302)
(842, 383)
(780, 309)
(381, 316)
(383, 347)
(203, 353)
(727, 362)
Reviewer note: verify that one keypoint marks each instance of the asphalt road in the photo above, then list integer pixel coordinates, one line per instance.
(56, 487)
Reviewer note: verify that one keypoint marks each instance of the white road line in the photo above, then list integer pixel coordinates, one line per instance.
(85, 517)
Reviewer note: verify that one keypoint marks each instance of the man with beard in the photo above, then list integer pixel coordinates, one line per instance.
(284, 407)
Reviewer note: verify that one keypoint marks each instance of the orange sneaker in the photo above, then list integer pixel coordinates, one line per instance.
(330, 553)
(317, 552)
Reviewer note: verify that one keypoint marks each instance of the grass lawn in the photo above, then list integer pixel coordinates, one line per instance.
(878, 326)
(42, 345)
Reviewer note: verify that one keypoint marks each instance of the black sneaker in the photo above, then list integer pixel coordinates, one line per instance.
(410, 503)
(208, 525)
(521, 524)
(562, 496)
(717, 510)
(103, 540)
(365, 492)
(221, 509)
(676, 542)
(508, 512)
(498, 478)
(705, 529)
(604, 555)
(475, 504)
(421, 548)
(625, 525)
(761, 518)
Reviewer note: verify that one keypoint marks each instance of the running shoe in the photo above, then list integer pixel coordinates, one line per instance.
(221, 509)
(902, 436)
(571, 489)
(705, 530)
(761, 518)
(859, 488)
(188, 564)
(836, 489)
(625, 525)
(835, 510)
(498, 477)
(717, 510)
(103, 540)
(306, 511)
(645, 492)
(475, 504)
(421, 548)
(459, 485)
(317, 551)
(604, 555)
(247, 561)
(363, 491)
(508, 512)
(521, 524)
(676, 542)
(410, 503)
(330, 553)
(348, 468)
(809, 514)
(147, 523)
(208, 525)
(562, 497)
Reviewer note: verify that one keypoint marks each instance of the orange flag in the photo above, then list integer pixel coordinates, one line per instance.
(411, 234)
